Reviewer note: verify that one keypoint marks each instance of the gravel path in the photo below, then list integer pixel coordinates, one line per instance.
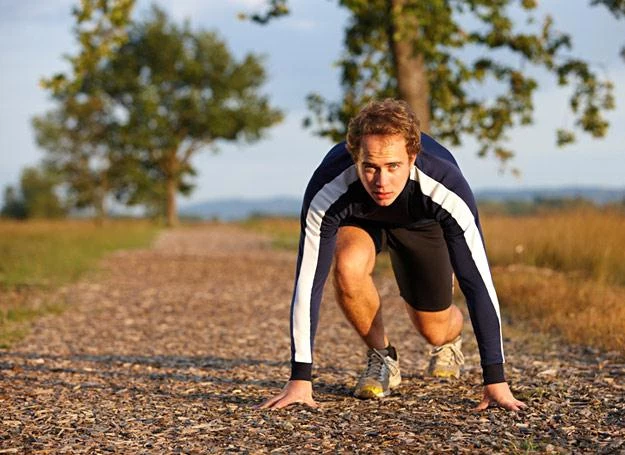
(168, 350)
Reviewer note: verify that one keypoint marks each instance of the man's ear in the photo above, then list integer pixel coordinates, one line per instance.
(412, 158)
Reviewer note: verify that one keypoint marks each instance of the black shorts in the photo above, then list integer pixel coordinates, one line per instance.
(420, 261)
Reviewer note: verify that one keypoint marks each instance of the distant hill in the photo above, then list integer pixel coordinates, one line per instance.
(596, 195)
(241, 208)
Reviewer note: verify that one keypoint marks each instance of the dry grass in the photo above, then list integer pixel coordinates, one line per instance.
(587, 241)
(563, 272)
(581, 311)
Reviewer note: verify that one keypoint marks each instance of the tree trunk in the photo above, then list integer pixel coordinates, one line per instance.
(171, 209)
(100, 210)
(100, 191)
(410, 69)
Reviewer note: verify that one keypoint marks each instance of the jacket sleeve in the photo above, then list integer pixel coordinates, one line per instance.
(452, 204)
(316, 251)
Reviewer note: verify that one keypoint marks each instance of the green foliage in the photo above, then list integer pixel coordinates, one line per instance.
(142, 99)
(78, 134)
(14, 206)
(180, 90)
(277, 8)
(101, 27)
(616, 7)
(36, 199)
(423, 52)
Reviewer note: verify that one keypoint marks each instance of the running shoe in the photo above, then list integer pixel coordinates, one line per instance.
(381, 374)
(446, 360)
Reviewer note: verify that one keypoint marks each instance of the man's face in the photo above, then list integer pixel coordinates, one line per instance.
(384, 166)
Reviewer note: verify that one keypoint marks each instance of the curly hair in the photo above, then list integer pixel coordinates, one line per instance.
(384, 117)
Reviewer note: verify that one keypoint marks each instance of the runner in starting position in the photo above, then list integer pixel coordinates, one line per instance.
(391, 184)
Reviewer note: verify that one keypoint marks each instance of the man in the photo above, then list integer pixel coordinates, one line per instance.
(391, 184)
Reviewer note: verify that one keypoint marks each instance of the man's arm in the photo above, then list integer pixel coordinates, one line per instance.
(319, 223)
(451, 202)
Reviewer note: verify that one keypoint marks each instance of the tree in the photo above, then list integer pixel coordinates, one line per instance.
(76, 137)
(460, 64)
(78, 133)
(38, 190)
(142, 99)
(177, 92)
(37, 198)
(14, 206)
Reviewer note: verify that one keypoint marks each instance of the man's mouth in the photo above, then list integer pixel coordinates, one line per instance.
(382, 194)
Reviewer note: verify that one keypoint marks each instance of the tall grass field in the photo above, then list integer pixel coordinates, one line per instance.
(37, 257)
(562, 272)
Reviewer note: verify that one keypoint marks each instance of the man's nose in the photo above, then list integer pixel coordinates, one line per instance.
(382, 177)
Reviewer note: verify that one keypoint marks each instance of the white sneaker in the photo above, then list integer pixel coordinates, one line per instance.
(446, 360)
(380, 376)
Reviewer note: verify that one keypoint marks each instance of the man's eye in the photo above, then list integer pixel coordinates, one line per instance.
(393, 166)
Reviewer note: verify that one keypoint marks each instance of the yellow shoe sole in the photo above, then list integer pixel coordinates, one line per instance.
(445, 374)
(371, 392)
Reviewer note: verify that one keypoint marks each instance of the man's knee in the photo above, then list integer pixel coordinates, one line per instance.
(350, 270)
(434, 326)
(435, 335)
(354, 259)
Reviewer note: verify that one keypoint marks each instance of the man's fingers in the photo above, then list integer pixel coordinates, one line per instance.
(313, 404)
(510, 406)
(483, 405)
(280, 402)
(515, 405)
(270, 403)
(284, 403)
(520, 404)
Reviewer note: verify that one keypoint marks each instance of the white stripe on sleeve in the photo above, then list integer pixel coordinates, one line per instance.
(320, 204)
(461, 212)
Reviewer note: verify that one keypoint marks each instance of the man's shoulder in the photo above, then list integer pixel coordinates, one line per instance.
(439, 165)
(337, 154)
(430, 148)
(335, 162)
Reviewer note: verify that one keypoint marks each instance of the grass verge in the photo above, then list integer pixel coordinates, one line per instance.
(37, 257)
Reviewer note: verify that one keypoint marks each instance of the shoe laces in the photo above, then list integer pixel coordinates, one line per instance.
(448, 354)
(377, 364)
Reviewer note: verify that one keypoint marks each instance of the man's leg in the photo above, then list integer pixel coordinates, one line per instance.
(358, 298)
(425, 277)
(355, 291)
(437, 327)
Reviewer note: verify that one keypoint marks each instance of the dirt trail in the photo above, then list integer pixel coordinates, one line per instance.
(167, 350)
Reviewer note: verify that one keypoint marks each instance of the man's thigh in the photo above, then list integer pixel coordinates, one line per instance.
(422, 267)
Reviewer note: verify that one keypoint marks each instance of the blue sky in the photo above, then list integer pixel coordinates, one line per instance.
(299, 54)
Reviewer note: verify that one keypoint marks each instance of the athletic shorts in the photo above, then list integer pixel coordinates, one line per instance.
(420, 261)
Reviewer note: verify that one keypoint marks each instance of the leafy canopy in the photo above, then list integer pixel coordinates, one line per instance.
(479, 67)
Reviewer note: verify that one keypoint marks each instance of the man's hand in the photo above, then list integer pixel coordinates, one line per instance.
(293, 392)
(499, 394)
